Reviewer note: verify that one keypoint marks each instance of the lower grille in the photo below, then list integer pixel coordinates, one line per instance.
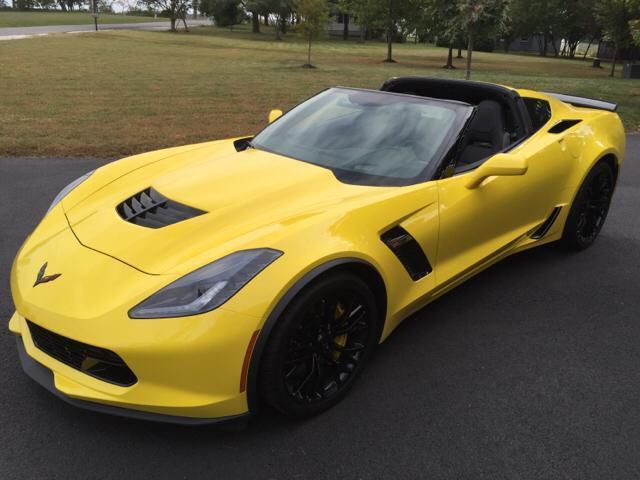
(95, 361)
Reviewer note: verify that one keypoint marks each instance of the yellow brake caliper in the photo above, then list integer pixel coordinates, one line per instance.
(340, 340)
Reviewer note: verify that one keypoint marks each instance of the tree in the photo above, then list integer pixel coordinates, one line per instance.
(68, 5)
(441, 20)
(390, 16)
(634, 25)
(478, 15)
(174, 9)
(254, 7)
(226, 13)
(314, 14)
(365, 12)
(616, 18)
(542, 19)
(281, 9)
(578, 23)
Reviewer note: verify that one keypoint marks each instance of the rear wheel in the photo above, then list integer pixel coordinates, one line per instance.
(589, 209)
(319, 346)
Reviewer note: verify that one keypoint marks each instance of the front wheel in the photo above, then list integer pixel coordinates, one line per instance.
(589, 209)
(319, 346)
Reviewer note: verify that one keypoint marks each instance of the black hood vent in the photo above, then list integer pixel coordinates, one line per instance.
(150, 208)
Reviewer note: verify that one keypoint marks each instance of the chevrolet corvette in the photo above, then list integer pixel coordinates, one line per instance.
(195, 284)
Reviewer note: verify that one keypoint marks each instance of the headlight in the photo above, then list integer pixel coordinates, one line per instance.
(206, 288)
(65, 191)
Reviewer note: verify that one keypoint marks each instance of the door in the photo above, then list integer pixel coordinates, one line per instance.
(478, 224)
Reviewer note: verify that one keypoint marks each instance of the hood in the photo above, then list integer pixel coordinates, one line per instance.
(250, 199)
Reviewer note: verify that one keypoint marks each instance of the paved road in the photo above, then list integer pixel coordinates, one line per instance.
(21, 32)
(529, 371)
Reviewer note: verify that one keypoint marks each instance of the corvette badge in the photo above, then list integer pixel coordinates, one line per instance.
(42, 278)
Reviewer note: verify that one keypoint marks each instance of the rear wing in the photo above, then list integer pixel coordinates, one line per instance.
(585, 102)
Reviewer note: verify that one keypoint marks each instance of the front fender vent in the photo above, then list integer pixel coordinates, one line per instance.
(408, 251)
(149, 208)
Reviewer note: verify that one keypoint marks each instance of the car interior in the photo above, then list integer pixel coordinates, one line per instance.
(498, 122)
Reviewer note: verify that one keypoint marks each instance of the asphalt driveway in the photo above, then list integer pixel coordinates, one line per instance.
(529, 371)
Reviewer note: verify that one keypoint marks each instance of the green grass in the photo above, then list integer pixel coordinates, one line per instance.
(36, 19)
(122, 92)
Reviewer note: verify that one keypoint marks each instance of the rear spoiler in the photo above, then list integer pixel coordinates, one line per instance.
(585, 102)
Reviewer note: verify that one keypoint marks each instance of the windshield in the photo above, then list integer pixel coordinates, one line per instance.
(367, 136)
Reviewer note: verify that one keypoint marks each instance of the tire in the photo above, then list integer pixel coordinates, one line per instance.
(319, 346)
(589, 209)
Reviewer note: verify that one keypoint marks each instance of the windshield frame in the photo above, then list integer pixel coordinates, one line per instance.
(360, 178)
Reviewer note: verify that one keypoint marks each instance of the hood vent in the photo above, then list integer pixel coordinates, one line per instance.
(151, 209)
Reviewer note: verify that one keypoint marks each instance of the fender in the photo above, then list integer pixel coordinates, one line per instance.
(274, 315)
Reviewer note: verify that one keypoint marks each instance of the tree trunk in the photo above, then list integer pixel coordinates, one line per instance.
(449, 64)
(613, 62)
(467, 72)
(363, 32)
(255, 22)
(459, 53)
(588, 47)
(266, 20)
(546, 44)
(173, 23)
(390, 34)
(389, 58)
(506, 45)
(309, 53)
(345, 26)
(553, 44)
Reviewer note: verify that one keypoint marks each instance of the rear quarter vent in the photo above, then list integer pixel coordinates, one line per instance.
(563, 125)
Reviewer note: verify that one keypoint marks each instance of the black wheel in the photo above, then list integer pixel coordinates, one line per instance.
(589, 209)
(319, 346)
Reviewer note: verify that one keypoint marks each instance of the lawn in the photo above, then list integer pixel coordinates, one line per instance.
(36, 19)
(122, 92)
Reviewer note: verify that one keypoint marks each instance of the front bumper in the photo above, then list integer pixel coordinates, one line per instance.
(42, 375)
(164, 397)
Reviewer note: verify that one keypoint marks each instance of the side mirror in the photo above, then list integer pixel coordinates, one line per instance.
(500, 165)
(274, 115)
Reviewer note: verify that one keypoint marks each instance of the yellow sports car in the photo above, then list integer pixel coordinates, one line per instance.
(194, 284)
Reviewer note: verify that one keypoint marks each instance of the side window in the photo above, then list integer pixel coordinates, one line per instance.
(539, 111)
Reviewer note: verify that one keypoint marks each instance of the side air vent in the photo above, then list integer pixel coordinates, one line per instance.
(542, 230)
(563, 125)
(405, 247)
(150, 208)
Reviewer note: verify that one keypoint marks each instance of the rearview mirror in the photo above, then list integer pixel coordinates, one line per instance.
(500, 165)
(274, 115)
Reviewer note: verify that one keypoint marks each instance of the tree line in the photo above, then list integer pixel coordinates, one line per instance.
(558, 26)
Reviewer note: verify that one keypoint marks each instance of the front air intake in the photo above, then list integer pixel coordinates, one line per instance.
(410, 254)
(98, 362)
(150, 208)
